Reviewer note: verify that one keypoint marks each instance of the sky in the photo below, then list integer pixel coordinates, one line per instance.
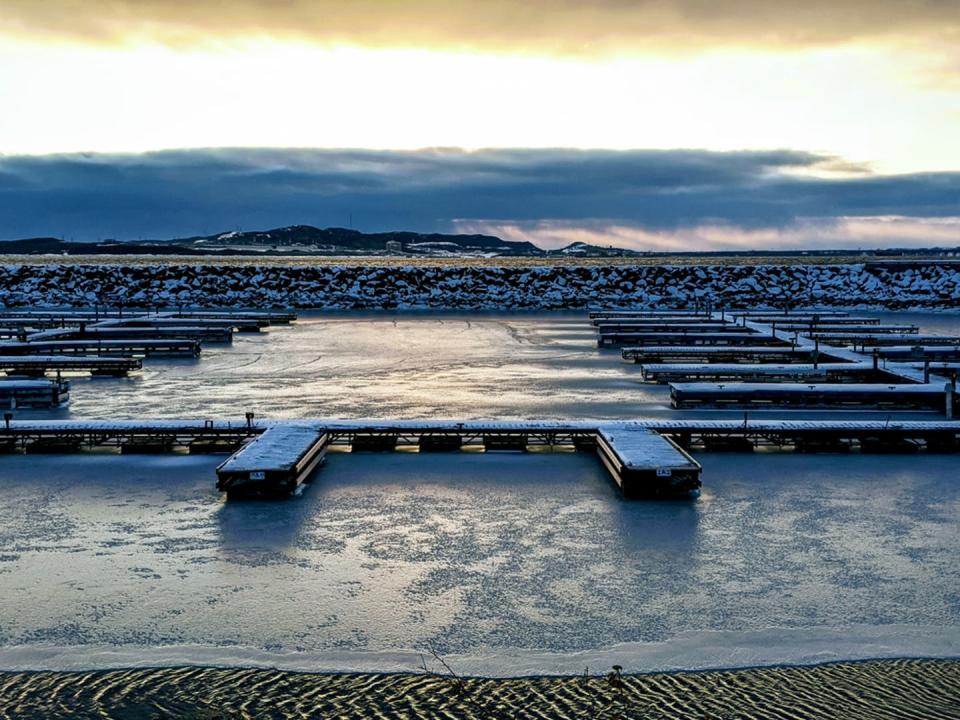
(652, 124)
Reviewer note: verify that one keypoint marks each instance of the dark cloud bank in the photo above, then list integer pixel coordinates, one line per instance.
(191, 192)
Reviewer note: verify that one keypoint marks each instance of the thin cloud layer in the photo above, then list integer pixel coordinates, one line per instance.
(699, 199)
(538, 25)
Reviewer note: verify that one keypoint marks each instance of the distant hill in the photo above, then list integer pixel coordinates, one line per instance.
(341, 241)
(307, 240)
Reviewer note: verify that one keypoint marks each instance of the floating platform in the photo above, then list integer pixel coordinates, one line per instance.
(838, 317)
(76, 315)
(645, 464)
(717, 353)
(271, 317)
(879, 339)
(34, 393)
(168, 348)
(37, 365)
(607, 327)
(273, 464)
(816, 395)
(658, 322)
(239, 324)
(807, 328)
(762, 372)
(121, 332)
(741, 337)
(600, 314)
(912, 353)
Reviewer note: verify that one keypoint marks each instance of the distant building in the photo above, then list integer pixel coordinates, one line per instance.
(393, 246)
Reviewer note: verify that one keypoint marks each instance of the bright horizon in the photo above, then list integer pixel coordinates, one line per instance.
(872, 91)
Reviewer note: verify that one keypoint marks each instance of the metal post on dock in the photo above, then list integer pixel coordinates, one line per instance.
(926, 370)
(7, 417)
(773, 329)
(948, 401)
(249, 417)
(876, 358)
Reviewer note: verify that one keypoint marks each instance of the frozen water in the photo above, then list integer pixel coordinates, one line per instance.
(485, 556)
(509, 563)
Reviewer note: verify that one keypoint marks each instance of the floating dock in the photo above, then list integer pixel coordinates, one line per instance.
(806, 329)
(38, 365)
(273, 464)
(98, 333)
(762, 372)
(645, 464)
(617, 338)
(718, 353)
(34, 393)
(879, 339)
(815, 395)
(169, 348)
(607, 314)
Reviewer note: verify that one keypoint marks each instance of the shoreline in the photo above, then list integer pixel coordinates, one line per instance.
(689, 651)
(926, 688)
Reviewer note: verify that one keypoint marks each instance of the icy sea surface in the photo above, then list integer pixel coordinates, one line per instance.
(506, 564)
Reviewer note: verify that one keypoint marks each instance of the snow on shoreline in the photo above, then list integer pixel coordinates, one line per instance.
(881, 285)
(689, 651)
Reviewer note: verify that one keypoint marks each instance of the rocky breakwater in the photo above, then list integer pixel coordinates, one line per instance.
(481, 286)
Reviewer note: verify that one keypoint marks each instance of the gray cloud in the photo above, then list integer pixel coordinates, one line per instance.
(188, 192)
(552, 25)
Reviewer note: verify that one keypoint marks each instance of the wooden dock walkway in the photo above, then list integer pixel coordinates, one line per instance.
(618, 338)
(761, 372)
(289, 454)
(756, 395)
(38, 365)
(722, 354)
(124, 348)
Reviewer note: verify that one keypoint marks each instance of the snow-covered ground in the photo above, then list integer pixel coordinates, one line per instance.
(888, 285)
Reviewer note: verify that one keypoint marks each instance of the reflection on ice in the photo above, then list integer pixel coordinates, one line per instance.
(471, 554)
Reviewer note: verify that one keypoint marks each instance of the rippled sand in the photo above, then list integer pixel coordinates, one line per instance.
(876, 689)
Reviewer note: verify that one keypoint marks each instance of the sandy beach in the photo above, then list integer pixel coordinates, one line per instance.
(925, 689)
